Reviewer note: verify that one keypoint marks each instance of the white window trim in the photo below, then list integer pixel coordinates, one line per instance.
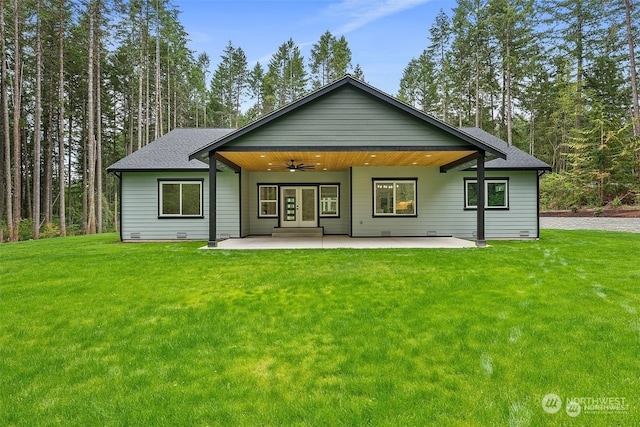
(487, 181)
(394, 182)
(330, 215)
(274, 201)
(161, 184)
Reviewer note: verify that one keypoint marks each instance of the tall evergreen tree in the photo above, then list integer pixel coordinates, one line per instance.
(440, 43)
(229, 85)
(418, 85)
(511, 24)
(286, 78)
(330, 59)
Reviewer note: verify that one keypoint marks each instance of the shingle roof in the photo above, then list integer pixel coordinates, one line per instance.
(516, 158)
(171, 151)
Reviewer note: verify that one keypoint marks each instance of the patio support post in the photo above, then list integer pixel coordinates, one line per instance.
(480, 240)
(212, 200)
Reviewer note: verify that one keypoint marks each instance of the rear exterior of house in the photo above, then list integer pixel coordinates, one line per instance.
(347, 159)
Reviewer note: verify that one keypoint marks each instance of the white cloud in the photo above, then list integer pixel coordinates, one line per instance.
(362, 12)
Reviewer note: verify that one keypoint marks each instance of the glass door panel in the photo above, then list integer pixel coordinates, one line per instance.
(299, 207)
(290, 206)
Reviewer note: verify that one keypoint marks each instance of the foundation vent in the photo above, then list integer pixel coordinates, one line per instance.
(181, 235)
(432, 233)
(524, 233)
(385, 233)
(135, 235)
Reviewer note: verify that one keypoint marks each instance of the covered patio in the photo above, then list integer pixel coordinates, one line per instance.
(359, 140)
(342, 242)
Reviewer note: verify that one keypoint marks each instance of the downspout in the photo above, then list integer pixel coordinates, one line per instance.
(119, 176)
(480, 235)
(212, 200)
(539, 174)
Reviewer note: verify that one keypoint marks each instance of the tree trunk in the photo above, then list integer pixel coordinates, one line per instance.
(6, 132)
(37, 134)
(17, 109)
(168, 91)
(147, 101)
(140, 77)
(61, 181)
(158, 88)
(508, 90)
(91, 139)
(99, 135)
(48, 161)
(634, 83)
(70, 145)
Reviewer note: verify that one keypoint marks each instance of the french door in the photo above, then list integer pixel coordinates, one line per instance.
(299, 207)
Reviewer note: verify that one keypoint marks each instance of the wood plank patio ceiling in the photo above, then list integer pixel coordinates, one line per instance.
(330, 161)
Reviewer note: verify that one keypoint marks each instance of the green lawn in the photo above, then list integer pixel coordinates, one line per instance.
(95, 332)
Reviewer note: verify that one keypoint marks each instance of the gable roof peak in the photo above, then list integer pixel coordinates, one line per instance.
(348, 80)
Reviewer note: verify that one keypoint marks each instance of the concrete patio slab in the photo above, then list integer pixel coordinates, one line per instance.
(342, 242)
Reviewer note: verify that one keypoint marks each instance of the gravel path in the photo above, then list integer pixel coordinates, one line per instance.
(631, 225)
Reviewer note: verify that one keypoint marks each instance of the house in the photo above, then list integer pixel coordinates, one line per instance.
(346, 159)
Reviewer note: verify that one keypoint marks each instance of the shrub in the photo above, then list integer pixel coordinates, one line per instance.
(557, 191)
(617, 202)
(49, 230)
(25, 230)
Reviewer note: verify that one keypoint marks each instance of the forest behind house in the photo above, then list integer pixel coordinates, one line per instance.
(83, 83)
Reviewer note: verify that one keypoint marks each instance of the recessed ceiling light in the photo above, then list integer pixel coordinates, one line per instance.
(428, 155)
(270, 164)
(366, 164)
(263, 156)
(414, 163)
(373, 155)
(324, 169)
(318, 156)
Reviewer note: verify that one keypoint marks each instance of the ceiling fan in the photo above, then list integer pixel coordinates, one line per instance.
(292, 167)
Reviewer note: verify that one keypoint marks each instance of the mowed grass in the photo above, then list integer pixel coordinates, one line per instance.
(96, 332)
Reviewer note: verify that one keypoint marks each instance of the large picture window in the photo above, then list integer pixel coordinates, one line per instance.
(496, 193)
(329, 200)
(180, 199)
(267, 201)
(394, 197)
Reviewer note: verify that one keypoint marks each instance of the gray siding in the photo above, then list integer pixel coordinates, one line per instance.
(228, 204)
(365, 224)
(346, 117)
(139, 200)
(263, 226)
(440, 205)
(245, 219)
(520, 220)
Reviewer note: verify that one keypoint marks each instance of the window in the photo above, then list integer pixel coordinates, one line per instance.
(329, 197)
(267, 201)
(180, 199)
(496, 193)
(394, 197)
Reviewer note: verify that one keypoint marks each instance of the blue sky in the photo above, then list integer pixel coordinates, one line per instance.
(383, 34)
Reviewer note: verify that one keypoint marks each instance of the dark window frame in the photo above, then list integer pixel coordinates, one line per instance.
(394, 181)
(276, 201)
(320, 215)
(487, 181)
(180, 181)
